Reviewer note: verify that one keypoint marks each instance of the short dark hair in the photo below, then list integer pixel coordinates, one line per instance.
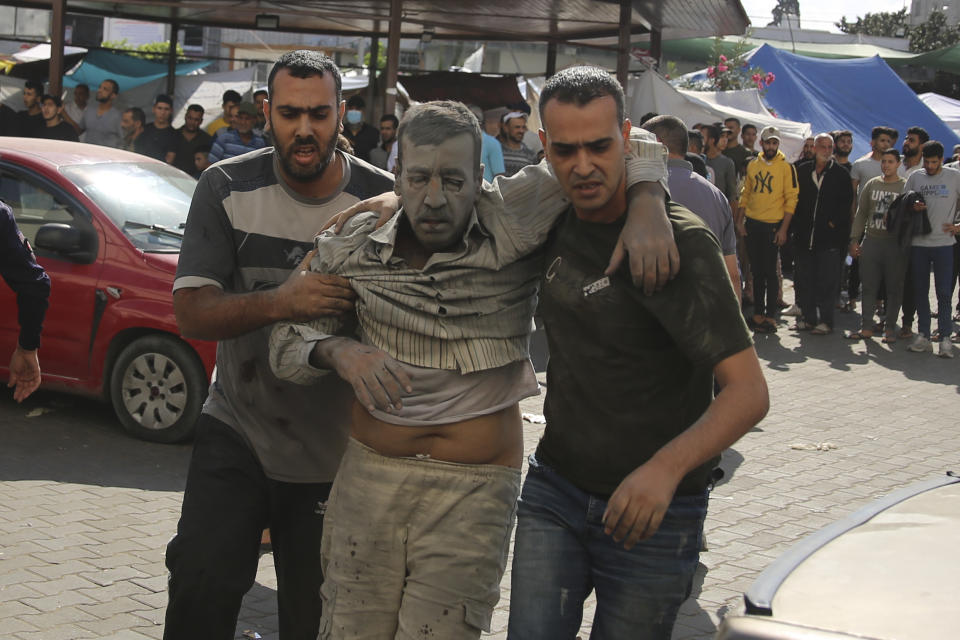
(304, 63)
(259, 92)
(891, 152)
(696, 138)
(436, 121)
(196, 107)
(876, 132)
(732, 119)
(392, 118)
(35, 85)
(356, 101)
(137, 114)
(116, 85)
(932, 149)
(650, 115)
(163, 98)
(711, 131)
(747, 126)
(203, 148)
(671, 131)
(581, 85)
(920, 132)
(56, 99)
(840, 133)
(231, 96)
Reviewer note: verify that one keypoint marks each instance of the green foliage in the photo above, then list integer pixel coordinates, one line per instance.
(148, 51)
(784, 7)
(935, 33)
(884, 23)
(730, 73)
(381, 58)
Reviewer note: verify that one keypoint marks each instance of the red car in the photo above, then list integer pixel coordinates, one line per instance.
(107, 225)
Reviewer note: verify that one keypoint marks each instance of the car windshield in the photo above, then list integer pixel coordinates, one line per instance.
(147, 201)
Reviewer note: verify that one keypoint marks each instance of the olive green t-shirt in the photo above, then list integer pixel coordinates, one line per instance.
(872, 206)
(630, 372)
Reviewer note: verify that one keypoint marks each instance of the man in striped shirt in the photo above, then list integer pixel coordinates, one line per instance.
(421, 511)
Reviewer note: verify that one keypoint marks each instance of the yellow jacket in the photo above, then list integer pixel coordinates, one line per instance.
(769, 189)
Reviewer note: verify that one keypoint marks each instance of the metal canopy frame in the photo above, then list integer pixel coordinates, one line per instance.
(550, 21)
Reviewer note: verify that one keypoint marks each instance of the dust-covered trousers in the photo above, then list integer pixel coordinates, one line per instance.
(414, 547)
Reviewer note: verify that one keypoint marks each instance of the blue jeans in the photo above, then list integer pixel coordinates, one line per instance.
(941, 258)
(561, 554)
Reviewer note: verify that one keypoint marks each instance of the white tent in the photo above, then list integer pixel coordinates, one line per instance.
(652, 93)
(947, 109)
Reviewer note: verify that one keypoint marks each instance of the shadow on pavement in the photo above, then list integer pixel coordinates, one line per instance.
(79, 440)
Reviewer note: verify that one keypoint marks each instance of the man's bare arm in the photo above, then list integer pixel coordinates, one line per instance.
(636, 509)
(733, 268)
(647, 237)
(209, 313)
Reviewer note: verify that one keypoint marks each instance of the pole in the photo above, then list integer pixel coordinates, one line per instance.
(172, 58)
(623, 48)
(56, 47)
(372, 71)
(393, 56)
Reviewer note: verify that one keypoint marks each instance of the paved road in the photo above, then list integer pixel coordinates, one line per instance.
(85, 511)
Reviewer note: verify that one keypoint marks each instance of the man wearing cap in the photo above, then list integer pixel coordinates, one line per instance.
(516, 155)
(240, 138)
(55, 128)
(769, 198)
(159, 139)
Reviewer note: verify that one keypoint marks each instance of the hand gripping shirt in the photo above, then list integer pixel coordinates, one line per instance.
(468, 309)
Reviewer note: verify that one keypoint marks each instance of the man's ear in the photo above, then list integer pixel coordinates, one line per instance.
(397, 170)
(266, 110)
(626, 135)
(340, 112)
(543, 140)
(479, 179)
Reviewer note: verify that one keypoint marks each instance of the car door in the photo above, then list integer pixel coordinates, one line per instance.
(37, 201)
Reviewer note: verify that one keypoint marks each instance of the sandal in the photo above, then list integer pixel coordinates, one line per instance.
(889, 338)
(905, 333)
(857, 335)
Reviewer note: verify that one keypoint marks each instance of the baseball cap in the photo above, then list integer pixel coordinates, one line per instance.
(247, 108)
(769, 133)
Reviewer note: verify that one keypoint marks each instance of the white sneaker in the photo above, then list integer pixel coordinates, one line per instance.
(793, 310)
(920, 344)
(946, 349)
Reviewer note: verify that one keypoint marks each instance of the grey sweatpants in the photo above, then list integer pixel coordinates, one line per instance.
(882, 260)
(414, 548)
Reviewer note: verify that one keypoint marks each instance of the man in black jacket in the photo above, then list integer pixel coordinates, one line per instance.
(821, 228)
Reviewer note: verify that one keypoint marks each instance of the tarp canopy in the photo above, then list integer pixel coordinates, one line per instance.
(702, 49)
(846, 94)
(652, 93)
(128, 71)
(947, 109)
(946, 59)
(470, 88)
(34, 63)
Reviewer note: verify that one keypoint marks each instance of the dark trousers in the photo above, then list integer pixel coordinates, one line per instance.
(763, 262)
(956, 272)
(909, 304)
(213, 558)
(817, 277)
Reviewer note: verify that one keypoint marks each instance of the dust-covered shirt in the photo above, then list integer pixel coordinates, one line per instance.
(942, 194)
(872, 206)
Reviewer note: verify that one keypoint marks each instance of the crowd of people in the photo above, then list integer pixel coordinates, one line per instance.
(878, 224)
(366, 403)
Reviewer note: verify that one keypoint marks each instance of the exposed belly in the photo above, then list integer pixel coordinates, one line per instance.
(492, 439)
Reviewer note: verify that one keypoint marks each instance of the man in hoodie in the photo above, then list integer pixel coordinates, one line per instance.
(821, 228)
(769, 198)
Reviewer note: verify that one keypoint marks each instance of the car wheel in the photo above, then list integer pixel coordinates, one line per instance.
(157, 387)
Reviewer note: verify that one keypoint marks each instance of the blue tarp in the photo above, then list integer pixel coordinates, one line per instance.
(128, 71)
(856, 94)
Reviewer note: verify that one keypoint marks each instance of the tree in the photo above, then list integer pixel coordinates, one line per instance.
(784, 7)
(935, 33)
(885, 23)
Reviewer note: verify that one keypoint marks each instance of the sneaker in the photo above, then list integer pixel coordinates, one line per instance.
(946, 349)
(792, 310)
(920, 344)
(821, 329)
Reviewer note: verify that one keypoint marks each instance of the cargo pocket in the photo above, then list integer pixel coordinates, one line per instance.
(477, 614)
(328, 601)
